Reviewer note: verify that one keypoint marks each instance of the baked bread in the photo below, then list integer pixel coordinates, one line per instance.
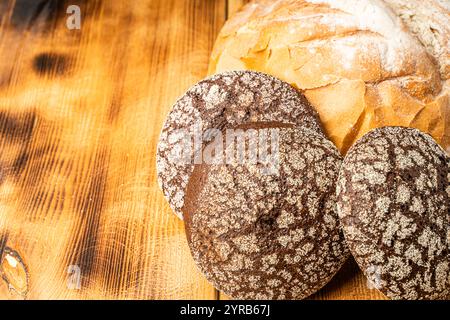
(393, 203)
(361, 63)
(222, 101)
(268, 236)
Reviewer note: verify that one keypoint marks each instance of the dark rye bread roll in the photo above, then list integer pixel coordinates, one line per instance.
(222, 101)
(393, 202)
(268, 236)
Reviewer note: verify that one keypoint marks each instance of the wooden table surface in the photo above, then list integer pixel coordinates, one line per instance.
(81, 214)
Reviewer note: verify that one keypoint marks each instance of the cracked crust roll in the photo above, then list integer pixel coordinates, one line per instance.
(216, 103)
(393, 204)
(268, 236)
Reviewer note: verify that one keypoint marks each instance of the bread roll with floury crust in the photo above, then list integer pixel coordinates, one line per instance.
(362, 64)
(268, 234)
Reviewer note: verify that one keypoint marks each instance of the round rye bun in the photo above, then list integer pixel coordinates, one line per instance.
(393, 204)
(268, 234)
(222, 101)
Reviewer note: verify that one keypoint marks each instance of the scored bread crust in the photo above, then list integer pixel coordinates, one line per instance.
(428, 21)
(361, 63)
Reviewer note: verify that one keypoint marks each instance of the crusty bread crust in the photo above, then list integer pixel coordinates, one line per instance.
(362, 63)
(428, 21)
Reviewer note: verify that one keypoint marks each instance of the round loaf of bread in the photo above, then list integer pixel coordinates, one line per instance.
(393, 203)
(362, 64)
(258, 234)
(222, 101)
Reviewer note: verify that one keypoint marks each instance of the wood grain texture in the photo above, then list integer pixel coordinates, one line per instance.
(234, 6)
(80, 116)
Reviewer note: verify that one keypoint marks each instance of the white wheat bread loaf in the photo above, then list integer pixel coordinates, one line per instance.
(361, 63)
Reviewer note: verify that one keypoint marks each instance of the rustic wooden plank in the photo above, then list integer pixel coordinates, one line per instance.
(234, 5)
(80, 115)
